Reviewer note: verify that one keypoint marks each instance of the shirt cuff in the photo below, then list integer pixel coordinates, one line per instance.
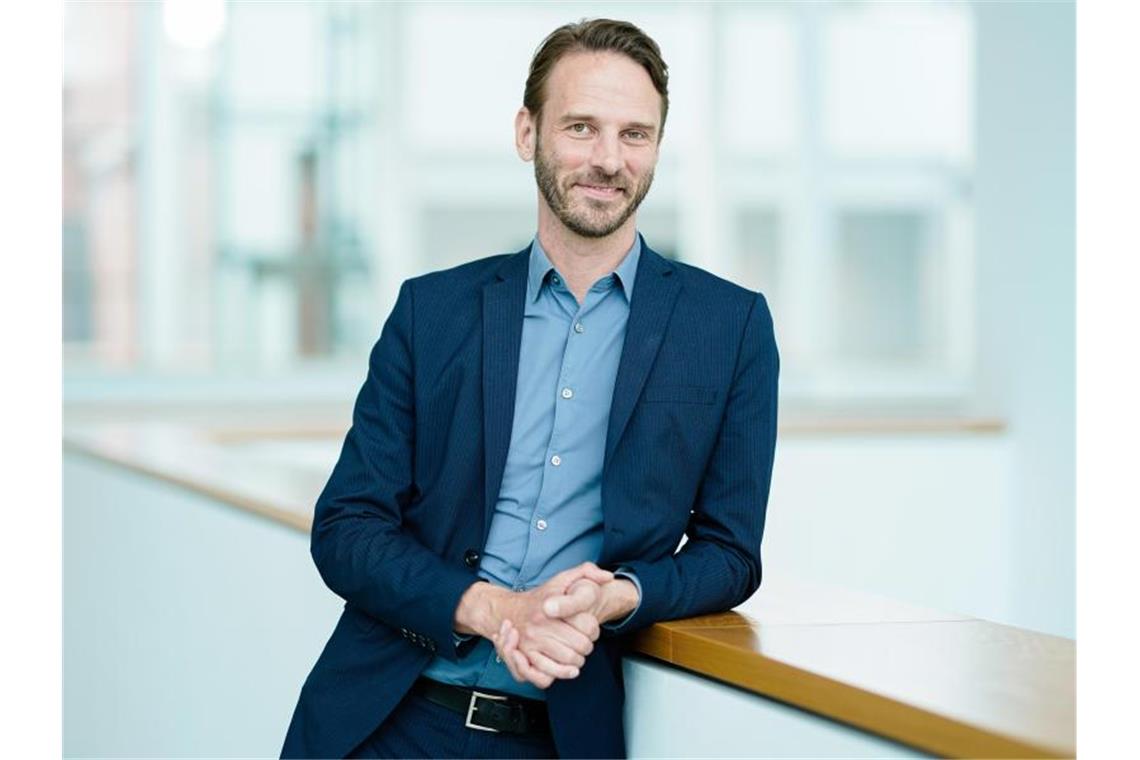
(615, 626)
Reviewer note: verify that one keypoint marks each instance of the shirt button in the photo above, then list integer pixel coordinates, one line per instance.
(555, 279)
(578, 327)
(556, 460)
(541, 525)
(567, 393)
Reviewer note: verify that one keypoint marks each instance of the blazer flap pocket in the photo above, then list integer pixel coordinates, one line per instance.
(685, 394)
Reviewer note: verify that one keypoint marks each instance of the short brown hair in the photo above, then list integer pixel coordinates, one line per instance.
(596, 35)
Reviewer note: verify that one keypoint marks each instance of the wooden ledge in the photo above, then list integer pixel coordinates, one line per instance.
(952, 686)
(947, 684)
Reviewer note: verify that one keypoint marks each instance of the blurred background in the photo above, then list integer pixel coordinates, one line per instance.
(247, 184)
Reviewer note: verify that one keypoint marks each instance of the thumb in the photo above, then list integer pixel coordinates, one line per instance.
(579, 598)
(587, 570)
(592, 572)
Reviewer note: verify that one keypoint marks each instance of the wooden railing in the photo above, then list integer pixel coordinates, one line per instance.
(946, 684)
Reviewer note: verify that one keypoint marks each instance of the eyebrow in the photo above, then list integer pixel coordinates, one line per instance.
(576, 117)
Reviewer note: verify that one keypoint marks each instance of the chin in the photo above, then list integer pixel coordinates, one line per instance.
(592, 229)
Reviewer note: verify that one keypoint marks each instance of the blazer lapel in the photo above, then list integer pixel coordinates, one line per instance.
(504, 299)
(654, 293)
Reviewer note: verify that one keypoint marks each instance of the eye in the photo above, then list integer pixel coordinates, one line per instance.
(580, 128)
(636, 134)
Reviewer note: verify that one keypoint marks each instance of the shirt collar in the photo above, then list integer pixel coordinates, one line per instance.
(540, 267)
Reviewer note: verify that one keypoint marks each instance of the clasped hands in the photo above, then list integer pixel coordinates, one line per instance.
(546, 633)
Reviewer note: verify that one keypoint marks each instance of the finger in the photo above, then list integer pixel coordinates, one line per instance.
(585, 570)
(541, 639)
(505, 629)
(584, 588)
(544, 664)
(556, 638)
(586, 624)
(557, 651)
(561, 606)
(595, 573)
(513, 669)
(506, 638)
(522, 664)
(567, 635)
(581, 596)
(508, 651)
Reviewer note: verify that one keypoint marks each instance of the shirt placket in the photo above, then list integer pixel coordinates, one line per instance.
(553, 488)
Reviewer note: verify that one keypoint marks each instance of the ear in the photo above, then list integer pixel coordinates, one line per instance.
(525, 134)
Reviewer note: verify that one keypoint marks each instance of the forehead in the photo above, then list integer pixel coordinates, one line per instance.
(606, 85)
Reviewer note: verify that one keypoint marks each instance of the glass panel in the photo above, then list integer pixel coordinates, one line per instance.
(262, 179)
(758, 59)
(255, 202)
(758, 251)
(295, 239)
(658, 225)
(897, 81)
(454, 235)
(879, 313)
(99, 188)
(280, 71)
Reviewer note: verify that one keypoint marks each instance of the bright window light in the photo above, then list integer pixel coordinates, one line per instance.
(194, 24)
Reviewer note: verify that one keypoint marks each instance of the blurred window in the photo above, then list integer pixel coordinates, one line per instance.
(247, 184)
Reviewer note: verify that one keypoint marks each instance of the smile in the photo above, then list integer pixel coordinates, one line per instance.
(595, 191)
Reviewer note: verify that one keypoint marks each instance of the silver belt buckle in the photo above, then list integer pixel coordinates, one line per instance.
(471, 710)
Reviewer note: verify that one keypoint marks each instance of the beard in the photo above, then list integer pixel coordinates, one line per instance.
(590, 218)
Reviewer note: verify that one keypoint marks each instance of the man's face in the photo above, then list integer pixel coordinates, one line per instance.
(596, 146)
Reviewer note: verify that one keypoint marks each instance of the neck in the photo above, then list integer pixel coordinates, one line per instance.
(581, 260)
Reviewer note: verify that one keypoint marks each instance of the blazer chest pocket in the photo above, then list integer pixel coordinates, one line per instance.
(680, 394)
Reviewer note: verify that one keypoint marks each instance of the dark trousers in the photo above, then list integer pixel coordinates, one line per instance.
(419, 728)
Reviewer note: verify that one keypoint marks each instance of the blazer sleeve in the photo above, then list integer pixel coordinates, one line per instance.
(357, 542)
(719, 565)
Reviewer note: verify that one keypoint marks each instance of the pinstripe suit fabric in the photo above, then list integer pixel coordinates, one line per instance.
(689, 451)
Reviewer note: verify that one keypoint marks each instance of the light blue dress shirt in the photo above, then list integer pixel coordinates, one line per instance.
(548, 517)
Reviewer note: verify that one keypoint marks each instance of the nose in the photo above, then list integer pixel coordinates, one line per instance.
(606, 156)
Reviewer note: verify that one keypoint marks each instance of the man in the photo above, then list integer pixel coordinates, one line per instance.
(536, 434)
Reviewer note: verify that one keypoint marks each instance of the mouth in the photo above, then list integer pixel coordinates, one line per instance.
(601, 192)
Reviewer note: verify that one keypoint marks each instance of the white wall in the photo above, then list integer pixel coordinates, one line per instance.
(925, 519)
(189, 626)
(672, 713)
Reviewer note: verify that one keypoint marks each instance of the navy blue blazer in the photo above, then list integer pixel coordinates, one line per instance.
(399, 526)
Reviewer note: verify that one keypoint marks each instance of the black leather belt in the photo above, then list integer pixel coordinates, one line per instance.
(487, 712)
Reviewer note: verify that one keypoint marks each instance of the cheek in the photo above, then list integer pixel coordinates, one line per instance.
(640, 170)
(569, 154)
(641, 163)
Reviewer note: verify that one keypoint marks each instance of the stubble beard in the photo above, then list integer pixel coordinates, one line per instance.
(581, 221)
